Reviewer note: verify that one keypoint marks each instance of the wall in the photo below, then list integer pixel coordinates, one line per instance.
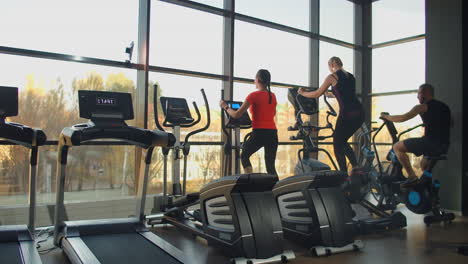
(444, 71)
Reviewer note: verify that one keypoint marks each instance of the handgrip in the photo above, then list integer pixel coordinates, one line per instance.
(155, 107)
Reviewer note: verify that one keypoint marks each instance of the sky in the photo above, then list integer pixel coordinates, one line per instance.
(192, 40)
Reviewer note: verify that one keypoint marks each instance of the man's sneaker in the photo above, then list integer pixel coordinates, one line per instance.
(409, 183)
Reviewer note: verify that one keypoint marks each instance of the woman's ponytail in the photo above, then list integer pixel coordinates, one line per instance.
(264, 77)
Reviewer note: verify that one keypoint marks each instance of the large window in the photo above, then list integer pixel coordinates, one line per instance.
(285, 55)
(337, 19)
(395, 19)
(171, 85)
(100, 29)
(48, 89)
(279, 11)
(399, 67)
(186, 39)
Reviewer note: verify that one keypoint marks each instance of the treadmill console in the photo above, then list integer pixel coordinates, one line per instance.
(242, 122)
(308, 106)
(8, 101)
(176, 111)
(98, 105)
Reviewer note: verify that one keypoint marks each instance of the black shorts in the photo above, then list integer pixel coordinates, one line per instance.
(425, 146)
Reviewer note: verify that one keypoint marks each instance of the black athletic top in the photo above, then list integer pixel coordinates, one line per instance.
(345, 93)
(437, 121)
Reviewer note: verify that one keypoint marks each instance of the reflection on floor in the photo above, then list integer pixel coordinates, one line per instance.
(417, 244)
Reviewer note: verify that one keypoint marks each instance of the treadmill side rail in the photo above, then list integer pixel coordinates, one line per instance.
(77, 251)
(29, 252)
(165, 246)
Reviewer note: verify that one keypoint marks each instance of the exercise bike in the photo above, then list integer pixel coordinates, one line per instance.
(421, 198)
(236, 213)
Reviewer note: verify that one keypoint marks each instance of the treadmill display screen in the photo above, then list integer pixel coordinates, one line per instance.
(8, 101)
(105, 105)
(106, 101)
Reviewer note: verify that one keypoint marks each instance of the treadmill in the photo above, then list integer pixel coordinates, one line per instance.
(115, 241)
(17, 243)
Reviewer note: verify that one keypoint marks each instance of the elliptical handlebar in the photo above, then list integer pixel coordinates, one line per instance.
(155, 107)
(208, 118)
(331, 111)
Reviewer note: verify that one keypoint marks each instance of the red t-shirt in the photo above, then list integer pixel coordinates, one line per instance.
(261, 112)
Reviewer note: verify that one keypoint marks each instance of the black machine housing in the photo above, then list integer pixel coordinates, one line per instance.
(314, 210)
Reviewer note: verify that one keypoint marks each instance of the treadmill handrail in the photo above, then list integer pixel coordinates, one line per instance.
(22, 135)
(78, 134)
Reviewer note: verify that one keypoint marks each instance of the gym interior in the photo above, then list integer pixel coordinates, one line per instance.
(115, 147)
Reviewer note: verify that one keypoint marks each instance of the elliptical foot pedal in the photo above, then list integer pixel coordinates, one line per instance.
(328, 251)
(285, 257)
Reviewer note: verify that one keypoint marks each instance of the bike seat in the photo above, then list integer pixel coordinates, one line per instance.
(438, 157)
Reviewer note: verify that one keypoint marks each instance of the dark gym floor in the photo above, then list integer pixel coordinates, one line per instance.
(417, 244)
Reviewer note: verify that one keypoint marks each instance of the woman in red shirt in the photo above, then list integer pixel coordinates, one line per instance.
(262, 105)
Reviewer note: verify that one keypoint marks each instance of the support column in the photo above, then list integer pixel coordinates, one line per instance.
(228, 65)
(314, 57)
(444, 70)
(363, 55)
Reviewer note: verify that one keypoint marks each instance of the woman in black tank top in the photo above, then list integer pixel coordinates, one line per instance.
(351, 115)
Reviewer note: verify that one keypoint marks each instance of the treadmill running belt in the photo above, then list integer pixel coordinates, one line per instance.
(126, 248)
(10, 253)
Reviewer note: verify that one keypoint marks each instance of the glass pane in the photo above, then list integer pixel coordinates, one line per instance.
(189, 88)
(388, 104)
(285, 55)
(397, 19)
(185, 38)
(204, 165)
(328, 50)
(49, 87)
(337, 19)
(71, 27)
(100, 183)
(293, 14)
(406, 61)
(284, 110)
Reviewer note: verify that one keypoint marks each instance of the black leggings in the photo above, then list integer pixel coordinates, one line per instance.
(267, 138)
(345, 127)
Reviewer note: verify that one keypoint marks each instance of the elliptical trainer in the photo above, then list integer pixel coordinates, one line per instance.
(313, 208)
(237, 213)
(306, 131)
(235, 125)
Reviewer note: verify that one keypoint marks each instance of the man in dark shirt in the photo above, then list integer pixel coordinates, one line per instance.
(437, 121)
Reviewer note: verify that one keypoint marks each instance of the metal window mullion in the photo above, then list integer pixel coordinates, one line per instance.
(363, 56)
(228, 65)
(141, 100)
(314, 57)
(398, 41)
